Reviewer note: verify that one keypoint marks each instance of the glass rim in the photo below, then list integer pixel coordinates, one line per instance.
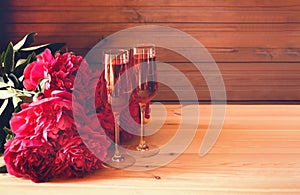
(145, 49)
(115, 52)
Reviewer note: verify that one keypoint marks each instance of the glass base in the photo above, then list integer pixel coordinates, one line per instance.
(119, 162)
(142, 150)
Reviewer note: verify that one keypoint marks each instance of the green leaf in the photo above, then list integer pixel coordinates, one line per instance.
(18, 107)
(9, 137)
(6, 93)
(1, 61)
(3, 169)
(3, 106)
(2, 54)
(20, 61)
(8, 131)
(42, 84)
(9, 64)
(25, 42)
(33, 57)
(24, 99)
(21, 65)
(14, 79)
(2, 71)
(39, 49)
(5, 85)
(2, 57)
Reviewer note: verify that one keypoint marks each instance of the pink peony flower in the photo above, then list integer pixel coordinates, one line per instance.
(37, 70)
(45, 117)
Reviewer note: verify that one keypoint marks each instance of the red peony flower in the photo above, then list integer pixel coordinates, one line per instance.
(49, 142)
(63, 71)
(60, 70)
(46, 129)
(93, 135)
(75, 160)
(30, 157)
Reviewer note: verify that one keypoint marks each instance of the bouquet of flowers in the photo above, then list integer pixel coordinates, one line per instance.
(46, 141)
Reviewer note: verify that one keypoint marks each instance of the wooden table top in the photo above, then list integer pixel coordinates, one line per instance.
(257, 152)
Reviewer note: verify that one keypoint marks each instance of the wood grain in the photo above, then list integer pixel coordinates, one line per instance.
(262, 35)
(167, 15)
(251, 4)
(257, 152)
(242, 81)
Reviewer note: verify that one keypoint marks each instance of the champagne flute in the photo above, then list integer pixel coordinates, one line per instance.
(144, 66)
(116, 62)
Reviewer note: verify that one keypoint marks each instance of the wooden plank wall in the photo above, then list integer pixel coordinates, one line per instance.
(256, 43)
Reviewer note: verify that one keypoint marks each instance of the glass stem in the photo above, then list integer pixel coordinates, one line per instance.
(117, 154)
(142, 145)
